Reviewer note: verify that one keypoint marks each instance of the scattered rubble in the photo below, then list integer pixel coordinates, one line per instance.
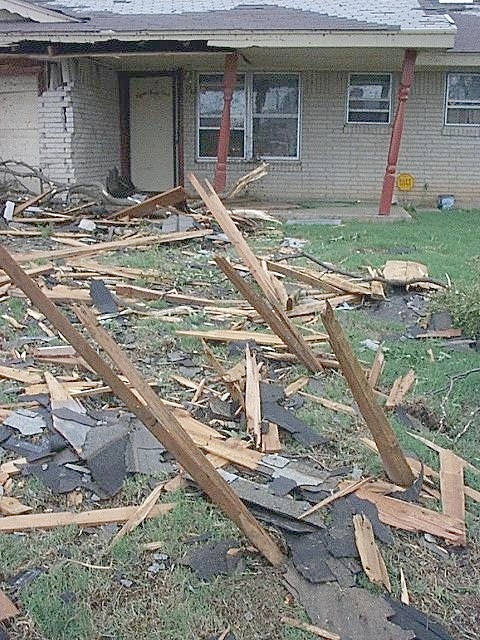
(228, 438)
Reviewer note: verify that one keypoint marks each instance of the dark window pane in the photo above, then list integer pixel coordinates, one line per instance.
(276, 93)
(372, 116)
(464, 87)
(275, 137)
(463, 116)
(208, 139)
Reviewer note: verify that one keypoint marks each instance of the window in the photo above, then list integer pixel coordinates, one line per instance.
(369, 98)
(264, 116)
(463, 99)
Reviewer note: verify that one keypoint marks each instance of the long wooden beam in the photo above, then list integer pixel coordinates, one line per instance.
(393, 458)
(154, 414)
(270, 316)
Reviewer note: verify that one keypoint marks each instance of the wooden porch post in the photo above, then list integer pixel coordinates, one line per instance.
(408, 71)
(229, 81)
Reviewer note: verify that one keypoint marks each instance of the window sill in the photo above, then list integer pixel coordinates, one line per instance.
(253, 162)
(459, 131)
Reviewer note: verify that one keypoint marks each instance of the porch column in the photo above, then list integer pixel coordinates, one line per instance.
(229, 81)
(408, 71)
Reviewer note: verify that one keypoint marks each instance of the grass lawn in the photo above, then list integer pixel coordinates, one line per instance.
(71, 601)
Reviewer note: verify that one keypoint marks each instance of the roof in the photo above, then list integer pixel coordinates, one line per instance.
(466, 16)
(405, 15)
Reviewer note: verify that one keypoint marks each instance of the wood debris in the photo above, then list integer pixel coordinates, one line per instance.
(399, 390)
(7, 608)
(392, 456)
(309, 628)
(372, 560)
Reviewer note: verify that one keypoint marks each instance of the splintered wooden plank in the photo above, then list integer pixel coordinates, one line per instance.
(392, 456)
(20, 207)
(370, 556)
(253, 412)
(439, 449)
(274, 318)
(441, 333)
(150, 410)
(330, 404)
(138, 516)
(20, 375)
(271, 440)
(401, 272)
(227, 335)
(95, 518)
(296, 386)
(263, 278)
(376, 368)
(35, 271)
(176, 195)
(399, 390)
(413, 517)
(102, 247)
(7, 608)
(451, 487)
(12, 507)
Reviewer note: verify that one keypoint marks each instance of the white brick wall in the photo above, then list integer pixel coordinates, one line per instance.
(79, 140)
(79, 124)
(347, 161)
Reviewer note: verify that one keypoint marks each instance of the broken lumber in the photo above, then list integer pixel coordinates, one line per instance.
(101, 247)
(399, 390)
(21, 206)
(139, 515)
(452, 487)
(176, 195)
(95, 518)
(227, 335)
(253, 411)
(163, 424)
(376, 368)
(274, 318)
(20, 375)
(413, 517)
(351, 488)
(393, 458)
(154, 414)
(7, 608)
(372, 561)
(265, 280)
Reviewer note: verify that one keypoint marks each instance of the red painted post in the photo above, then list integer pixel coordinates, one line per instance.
(408, 72)
(229, 81)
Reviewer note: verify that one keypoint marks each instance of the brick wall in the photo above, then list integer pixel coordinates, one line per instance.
(347, 161)
(79, 123)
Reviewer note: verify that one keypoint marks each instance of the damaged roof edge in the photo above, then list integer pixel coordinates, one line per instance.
(421, 40)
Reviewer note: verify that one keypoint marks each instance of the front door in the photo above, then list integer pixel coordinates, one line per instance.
(152, 148)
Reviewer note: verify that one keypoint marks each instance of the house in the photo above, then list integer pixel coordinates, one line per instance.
(340, 96)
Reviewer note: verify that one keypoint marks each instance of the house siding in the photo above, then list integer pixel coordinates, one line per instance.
(347, 161)
(79, 130)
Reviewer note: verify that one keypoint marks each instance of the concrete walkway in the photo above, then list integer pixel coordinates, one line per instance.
(336, 214)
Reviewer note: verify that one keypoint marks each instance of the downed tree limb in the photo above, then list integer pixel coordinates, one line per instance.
(95, 518)
(154, 414)
(393, 458)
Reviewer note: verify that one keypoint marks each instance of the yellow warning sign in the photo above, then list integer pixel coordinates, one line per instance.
(405, 182)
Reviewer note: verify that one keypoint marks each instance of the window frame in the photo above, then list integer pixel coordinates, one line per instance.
(446, 106)
(347, 98)
(249, 118)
